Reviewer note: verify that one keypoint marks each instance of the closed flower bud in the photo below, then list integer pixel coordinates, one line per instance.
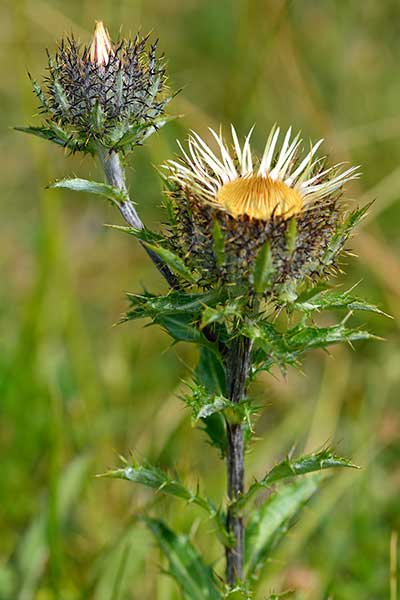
(264, 225)
(101, 47)
(106, 94)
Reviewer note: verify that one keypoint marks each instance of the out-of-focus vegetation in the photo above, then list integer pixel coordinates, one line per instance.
(76, 392)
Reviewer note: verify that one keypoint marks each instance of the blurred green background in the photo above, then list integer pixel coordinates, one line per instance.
(76, 392)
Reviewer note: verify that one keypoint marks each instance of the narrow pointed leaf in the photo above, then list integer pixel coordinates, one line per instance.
(91, 187)
(136, 134)
(263, 270)
(157, 479)
(288, 468)
(149, 305)
(270, 344)
(158, 123)
(58, 136)
(214, 427)
(285, 348)
(143, 235)
(268, 523)
(330, 299)
(344, 232)
(181, 328)
(301, 339)
(160, 481)
(174, 262)
(221, 313)
(196, 580)
(38, 92)
(210, 373)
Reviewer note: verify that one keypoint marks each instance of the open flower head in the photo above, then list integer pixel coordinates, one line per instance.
(232, 210)
(113, 94)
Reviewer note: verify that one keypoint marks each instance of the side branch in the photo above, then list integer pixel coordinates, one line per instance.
(115, 176)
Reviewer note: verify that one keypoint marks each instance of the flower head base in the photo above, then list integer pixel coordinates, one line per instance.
(112, 95)
(231, 210)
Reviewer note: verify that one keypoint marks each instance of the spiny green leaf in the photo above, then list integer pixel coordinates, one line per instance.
(144, 235)
(285, 348)
(317, 461)
(271, 343)
(214, 427)
(157, 479)
(129, 136)
(196, 580)
(92, 187)
(343, 233)
(328, 299)
(220, 313)
(159, 122)
(175, 263)
(210, 372)
(149, 305)
(57, 135)
(45, 133)
(61, 97)
(38, 92)
(98, 118)
(181, 328)
(204, 405)
(263, 269)
(269, 522)
(137, 133)
(301, 339)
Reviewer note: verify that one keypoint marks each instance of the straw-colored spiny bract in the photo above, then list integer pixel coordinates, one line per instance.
(263, 225)
(108, 94)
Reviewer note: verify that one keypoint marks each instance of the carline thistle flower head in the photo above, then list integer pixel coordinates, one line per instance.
(105, 93)
(236, 216)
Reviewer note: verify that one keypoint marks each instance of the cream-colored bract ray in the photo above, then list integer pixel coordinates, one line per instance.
(101, 47)
(282, 182)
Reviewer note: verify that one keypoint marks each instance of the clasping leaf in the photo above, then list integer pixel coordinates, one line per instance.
(269, 522)
(196, 580)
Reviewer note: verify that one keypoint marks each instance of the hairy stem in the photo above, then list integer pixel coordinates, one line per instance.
(115, 176)
(237, 369)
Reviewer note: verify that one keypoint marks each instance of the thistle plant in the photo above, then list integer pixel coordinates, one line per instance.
(247, 247)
